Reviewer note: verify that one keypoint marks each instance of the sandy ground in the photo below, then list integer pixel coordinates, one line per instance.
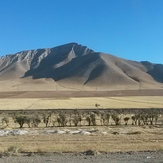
(129, 157)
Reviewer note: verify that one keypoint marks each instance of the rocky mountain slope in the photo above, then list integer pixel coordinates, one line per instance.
(76, 66)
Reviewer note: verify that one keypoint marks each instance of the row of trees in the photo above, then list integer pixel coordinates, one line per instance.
(82, 118)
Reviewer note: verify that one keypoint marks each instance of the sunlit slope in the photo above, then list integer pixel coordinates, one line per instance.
(76, 67)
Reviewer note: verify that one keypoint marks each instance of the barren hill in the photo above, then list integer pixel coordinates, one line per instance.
(76, 67)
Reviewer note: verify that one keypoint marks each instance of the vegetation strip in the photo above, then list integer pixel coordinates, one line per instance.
(82, 117)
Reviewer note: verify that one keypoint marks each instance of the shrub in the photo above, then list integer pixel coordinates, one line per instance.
(105, 117)
(35, 120)
(126, 119)
(91, 119)
(13, 151)
(5, 120)
(116, 119)
(88, 119)
(21, 119)
(76, 119)
(61, 119)
(97, 105)
(46, 118)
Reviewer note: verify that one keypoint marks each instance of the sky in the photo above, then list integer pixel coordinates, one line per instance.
(130, 29)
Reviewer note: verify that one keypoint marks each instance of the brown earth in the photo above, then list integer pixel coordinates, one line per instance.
(68, 94)
(122, 144)
(103, 139)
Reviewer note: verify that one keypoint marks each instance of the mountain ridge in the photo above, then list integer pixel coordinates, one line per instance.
(76, 66)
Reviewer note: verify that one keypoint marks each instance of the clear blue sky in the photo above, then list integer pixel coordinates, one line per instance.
(131, 29)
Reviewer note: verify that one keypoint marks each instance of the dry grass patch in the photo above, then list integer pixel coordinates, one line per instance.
(82, 103)
(147, 140)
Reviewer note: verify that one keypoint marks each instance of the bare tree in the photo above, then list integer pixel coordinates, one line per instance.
(126, 119)
(117, 119)
(5, 120)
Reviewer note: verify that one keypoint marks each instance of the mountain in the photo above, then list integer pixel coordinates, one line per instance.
(76, 67)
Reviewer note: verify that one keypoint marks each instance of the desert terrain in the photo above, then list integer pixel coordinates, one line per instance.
(111, 138)
(112, 143)
(80, 99)
(71, 104)
(95, 144)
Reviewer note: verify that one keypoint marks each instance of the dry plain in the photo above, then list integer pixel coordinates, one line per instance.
(80, 100)
(81, 103)
(103, 139)
(110, 138)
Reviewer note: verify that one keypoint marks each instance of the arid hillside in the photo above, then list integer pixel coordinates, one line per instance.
(75, 67)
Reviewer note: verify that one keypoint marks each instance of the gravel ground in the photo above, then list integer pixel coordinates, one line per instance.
(129, 157)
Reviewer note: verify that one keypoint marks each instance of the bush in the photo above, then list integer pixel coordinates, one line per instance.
(21, 119)
(5, 120)
(46, 118)
(62, 121)
(13, 151)
(126, 119)
(116, 119)
(33, 120)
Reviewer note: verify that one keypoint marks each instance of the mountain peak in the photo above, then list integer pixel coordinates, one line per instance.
(75, 47)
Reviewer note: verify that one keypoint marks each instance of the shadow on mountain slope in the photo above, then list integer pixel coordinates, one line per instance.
(87, 67)
(155, 70)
